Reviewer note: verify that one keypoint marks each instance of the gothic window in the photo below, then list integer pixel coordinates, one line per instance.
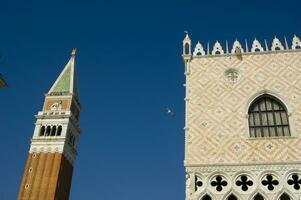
(48, 129)
(59, 131)
(186, 48)
(258, 197)
(232, 197)
(268, 118)
(284, 197)
(42, 131)
(53, 130)
(206, 197)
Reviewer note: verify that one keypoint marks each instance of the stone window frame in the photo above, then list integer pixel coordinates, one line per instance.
(290, 115)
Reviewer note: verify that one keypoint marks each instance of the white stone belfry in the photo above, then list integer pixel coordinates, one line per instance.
(242, 122)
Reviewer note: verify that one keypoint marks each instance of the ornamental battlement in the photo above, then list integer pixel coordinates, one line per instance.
(237, 48)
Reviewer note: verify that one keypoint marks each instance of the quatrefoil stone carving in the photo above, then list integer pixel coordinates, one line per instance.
(270, 182)
(219, 183)
(198, 183)
(295, 181)
(244, 182)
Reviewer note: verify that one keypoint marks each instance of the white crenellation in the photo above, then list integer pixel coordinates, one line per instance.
(276, 45)
(218, 49)
(198, 50)
(237, 48)
(296, 43)
(256, 46)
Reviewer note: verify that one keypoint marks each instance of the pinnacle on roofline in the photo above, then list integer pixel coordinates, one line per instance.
(73, 53)
(237, 48)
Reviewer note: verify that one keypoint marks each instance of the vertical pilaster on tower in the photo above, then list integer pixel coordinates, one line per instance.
(53, 149)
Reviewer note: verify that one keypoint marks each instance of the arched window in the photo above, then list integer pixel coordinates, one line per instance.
(232, 197)
(53, 131)
(206, 197)
(186, 46)
(284, 197)
(59, 131)
(48, 130)
(258, 197)
(42, 131)
(268, 118)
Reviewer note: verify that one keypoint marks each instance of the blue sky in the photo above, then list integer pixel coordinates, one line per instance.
(129, 69)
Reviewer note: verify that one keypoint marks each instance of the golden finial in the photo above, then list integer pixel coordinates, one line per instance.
(73, 52)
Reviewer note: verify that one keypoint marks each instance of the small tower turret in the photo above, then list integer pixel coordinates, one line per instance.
(186, 52)
(187, 45)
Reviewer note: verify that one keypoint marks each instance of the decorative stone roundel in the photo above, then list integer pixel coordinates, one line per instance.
(270, 182)
(244, 182)
(232, 75)
(295, 181)
(219, 183)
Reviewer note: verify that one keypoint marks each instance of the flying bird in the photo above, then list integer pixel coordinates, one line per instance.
(169, 112)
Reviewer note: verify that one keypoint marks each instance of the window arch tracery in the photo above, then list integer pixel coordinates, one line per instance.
(268, 117)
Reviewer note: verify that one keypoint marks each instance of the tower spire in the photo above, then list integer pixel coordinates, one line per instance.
(66, 83)
(73, 53)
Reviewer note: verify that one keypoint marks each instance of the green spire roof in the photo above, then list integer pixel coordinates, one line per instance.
(66, 83)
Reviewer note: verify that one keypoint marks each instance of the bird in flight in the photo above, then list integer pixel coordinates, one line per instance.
(169, 112)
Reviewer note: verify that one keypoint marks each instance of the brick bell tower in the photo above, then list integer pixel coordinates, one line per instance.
(243, 120)
(49, 167)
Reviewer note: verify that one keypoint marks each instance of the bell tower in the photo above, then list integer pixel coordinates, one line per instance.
(243, 120)
(49, 167)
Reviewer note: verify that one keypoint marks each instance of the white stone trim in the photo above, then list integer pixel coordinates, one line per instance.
(256, 172)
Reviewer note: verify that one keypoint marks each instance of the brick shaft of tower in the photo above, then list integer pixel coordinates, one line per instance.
(49, 167)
